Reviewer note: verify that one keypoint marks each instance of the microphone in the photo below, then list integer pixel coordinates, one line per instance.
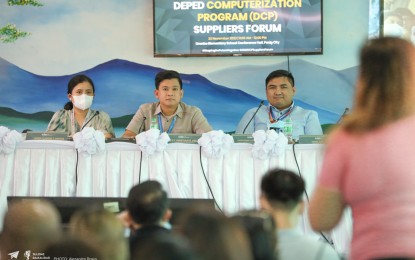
(95, 114)
(346, 110)
(260, 105)
(142, 124)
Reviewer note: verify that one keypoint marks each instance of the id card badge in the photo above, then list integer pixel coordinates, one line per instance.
(276, 126)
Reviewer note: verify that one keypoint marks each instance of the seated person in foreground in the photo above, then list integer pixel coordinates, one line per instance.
(280, 90)
(148, 213)
(77, 113)
(29, 224)
(102, 230)
(169, 114)
(282, 194)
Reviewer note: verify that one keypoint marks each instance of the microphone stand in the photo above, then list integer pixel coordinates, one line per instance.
(346, 110)
(142, 124)
(95, 114)
(260, 105)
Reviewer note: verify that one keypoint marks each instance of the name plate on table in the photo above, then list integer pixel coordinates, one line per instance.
(120, 139)
(48, 136)
(242, 138)
(312, 139)
(184, 138)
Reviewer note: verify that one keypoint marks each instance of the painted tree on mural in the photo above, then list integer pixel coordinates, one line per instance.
(10, 33)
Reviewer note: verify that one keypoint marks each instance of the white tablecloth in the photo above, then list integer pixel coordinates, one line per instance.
(53, 168)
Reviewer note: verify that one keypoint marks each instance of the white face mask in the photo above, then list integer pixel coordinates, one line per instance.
(83, 101)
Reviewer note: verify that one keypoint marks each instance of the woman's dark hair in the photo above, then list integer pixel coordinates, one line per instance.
(73, 82)
(147, 202)
(282, 186)
(385, 85)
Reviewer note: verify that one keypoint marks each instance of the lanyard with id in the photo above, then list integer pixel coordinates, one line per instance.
(161, 124)
(282, 117)
(278, 124)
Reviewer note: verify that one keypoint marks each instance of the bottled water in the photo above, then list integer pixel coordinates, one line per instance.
(288, 128)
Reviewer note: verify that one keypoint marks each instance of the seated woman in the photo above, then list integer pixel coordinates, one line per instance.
(77, 113)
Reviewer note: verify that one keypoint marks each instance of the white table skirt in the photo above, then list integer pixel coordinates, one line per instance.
(48, 168)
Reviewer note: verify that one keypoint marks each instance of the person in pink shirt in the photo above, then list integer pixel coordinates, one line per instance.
(368, 163)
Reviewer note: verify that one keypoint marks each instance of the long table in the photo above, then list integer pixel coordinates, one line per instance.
(54, 168)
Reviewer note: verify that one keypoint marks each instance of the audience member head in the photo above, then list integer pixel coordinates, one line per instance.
(214, 236)
(385, 87)
(102, 230)
(71, 247)
(280, 88)
(260, 227)
(168, 74)
(78, 85)
(29, 225)
(282, 193)
(147, 203)
(167, 246)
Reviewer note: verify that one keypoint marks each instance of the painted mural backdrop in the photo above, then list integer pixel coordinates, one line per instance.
(44, 43)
